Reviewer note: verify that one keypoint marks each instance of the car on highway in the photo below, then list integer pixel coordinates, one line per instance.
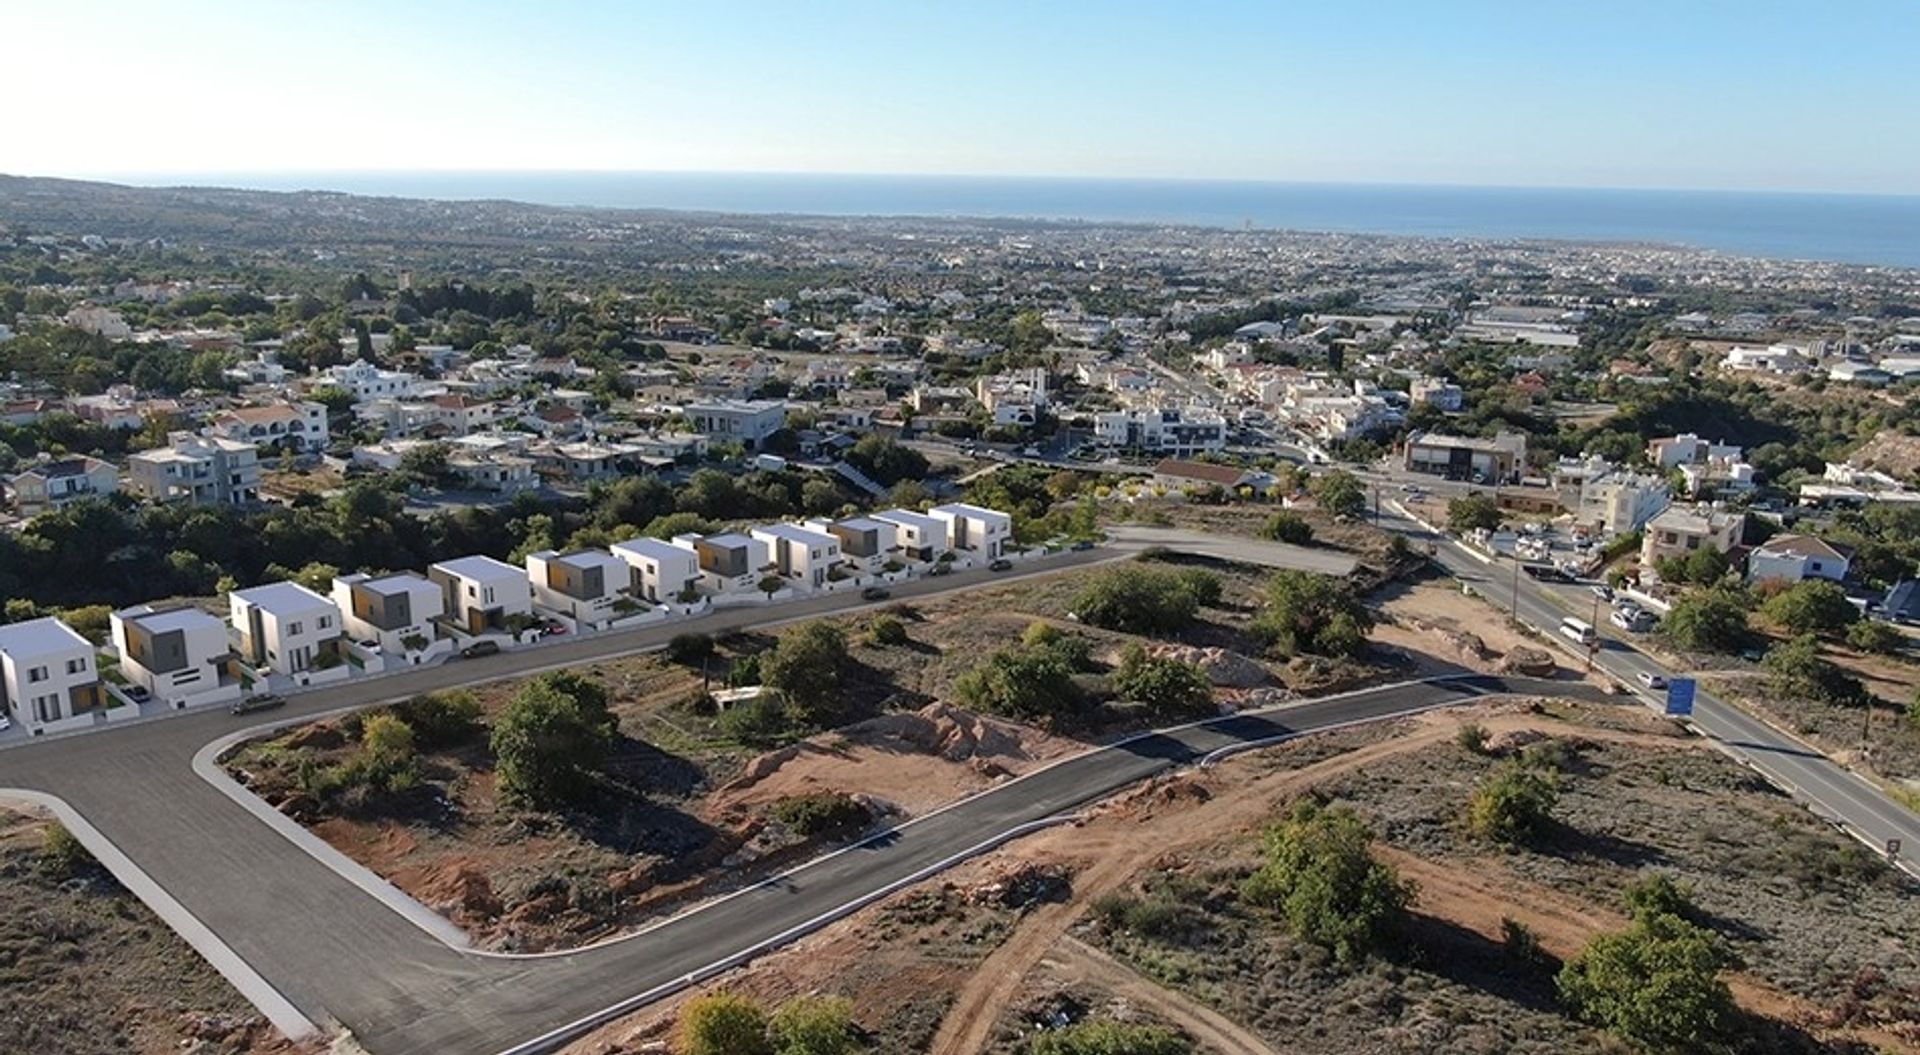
(1602, 591)
(480, 648)
(1652, 680)
(265, 701)
(1001, 564)
(874, 593)
(1081, 546)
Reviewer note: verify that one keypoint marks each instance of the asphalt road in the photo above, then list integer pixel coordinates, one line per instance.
(338, 954)
(1823, 785)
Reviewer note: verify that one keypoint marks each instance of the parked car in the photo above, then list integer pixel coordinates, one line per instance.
(480, 648)
(6, 723)
(137, 693)
(874, 593)
(1000, 565)
(1081, 545)
(1652, 681)
(1602, 591)
(265, 701)
(553, 630)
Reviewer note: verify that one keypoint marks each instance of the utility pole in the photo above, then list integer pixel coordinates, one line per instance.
(1515, 605)
(1594, 647)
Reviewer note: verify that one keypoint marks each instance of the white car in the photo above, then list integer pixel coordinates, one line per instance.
(1652, 681)
(6, 723)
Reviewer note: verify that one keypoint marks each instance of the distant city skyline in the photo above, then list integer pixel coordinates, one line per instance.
(1706, 95)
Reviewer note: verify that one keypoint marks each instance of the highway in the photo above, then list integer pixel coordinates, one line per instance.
(1829, 789)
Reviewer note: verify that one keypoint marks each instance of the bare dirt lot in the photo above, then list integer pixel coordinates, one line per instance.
(86, 969)
(1825, 934)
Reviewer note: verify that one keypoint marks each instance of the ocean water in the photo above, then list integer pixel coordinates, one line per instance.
(1858, 229)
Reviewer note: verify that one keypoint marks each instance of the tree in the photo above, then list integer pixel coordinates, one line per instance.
(440, 719)
(806, 668)
(770, 585)
(1139, 600)
(386, 746)
(1512, 806)
(1707, 566)
(1814, 606)
(813, 1025)
(1708, 620)
(1797, 669)
(1321, 876)
(550, 741)
(1031, 681)
(1876, 635)
(690, 649)
(1340, 493)
(1172, 688)
(1104, 1036)
(887, 631)
(724, 1024)
(1312, 613)
(1289, 528)
(886, 460)
(1656, 984)
(1469, 512)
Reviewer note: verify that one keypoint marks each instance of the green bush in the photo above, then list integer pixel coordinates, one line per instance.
(813, 1025)
(887, 631)
(1473, 736)
(1145, 600)
(1797, 669)
(760, 722)
(1512, 806)
(1101, 1036)
(1657, 895)
(1708, 621)
(551, 740)
(822, 813)
(1468, 512)
(1312, 613)
(1656, 984)
(1321, 876)
(807, 667)
(689, 649)
(1814, 606)
(1158, 918)
(724, 1024)
(441, 719)
(1288, 527)
(1876, 635)
(1173, 689)
(61, 853)
(1024, 682)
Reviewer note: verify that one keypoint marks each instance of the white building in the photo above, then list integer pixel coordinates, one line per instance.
(197, 470)
(1162, 430)
(368, 382)
(799, 553)
(984, 533)
(1686, 449)
(729, 563)
(920, 537)
(294, 426)
(394, 612)
(1441, 395)
(47, 674)
(1797, 557)
(866, 543)
(480, 593)
(588, 587)
(179, 655)
(746, 422)
(52, 484)
(1782, 359)
(1619, 502)
(285, 628)
(660, 572)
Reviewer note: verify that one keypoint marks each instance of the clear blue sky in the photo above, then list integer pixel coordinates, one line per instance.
(1821, 95)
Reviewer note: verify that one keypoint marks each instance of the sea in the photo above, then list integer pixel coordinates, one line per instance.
(1846, 228)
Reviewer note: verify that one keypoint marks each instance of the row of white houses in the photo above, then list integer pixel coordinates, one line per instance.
(283, 635)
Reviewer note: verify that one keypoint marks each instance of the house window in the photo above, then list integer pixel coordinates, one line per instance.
(36, 674)
(76, 666)
(293, 629)
(324, 622)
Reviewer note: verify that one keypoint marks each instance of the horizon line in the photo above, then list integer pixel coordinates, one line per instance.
(162, 179)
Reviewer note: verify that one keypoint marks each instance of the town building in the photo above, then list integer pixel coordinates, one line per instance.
(285, 628)
(47, 674)
(482, 594)
(746, 422)
(920, 537)
(1162, 430)
(659, 571)
(52, 484)
(196, 470)
(1438, 394)
(1678, 532)
(1797, 557)
(588, 586)
(1671, 452)
(368, 382)
(180, 655)
(729, 563)
(1495, 461)
(1176, 475)
(297, 427)
(983, 533)
(1619, 502)
(865, 542)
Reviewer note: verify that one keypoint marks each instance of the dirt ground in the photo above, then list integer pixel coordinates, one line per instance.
(88, 970)
(1825, 934)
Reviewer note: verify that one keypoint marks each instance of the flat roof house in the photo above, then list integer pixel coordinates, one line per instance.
(588, 587)
(981, 532)
(800, 553)
(285, 627)
(731, 561)
(1678, 532)
(1494, 461)
(298, 426)
(180, 655)
(659, 571)
(391, 610)
(196, 470)
(865, 541)
(920, 537)
(47, 673)
(746, 422)
(481, 593)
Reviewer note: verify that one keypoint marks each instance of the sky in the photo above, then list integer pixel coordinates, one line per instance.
(1756, 95)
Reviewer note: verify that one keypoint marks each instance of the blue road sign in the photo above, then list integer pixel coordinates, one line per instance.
(1680, 696)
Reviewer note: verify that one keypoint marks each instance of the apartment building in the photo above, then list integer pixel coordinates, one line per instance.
(482, 593)
(1678, 532)
(746, 422)
(196, 470)
(1498, 460)
(285, 628)
(179, 655)
(52, 484)
(1163, 430)
(297, 427)
(47, 674)
(659, 571)
(984, 533)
